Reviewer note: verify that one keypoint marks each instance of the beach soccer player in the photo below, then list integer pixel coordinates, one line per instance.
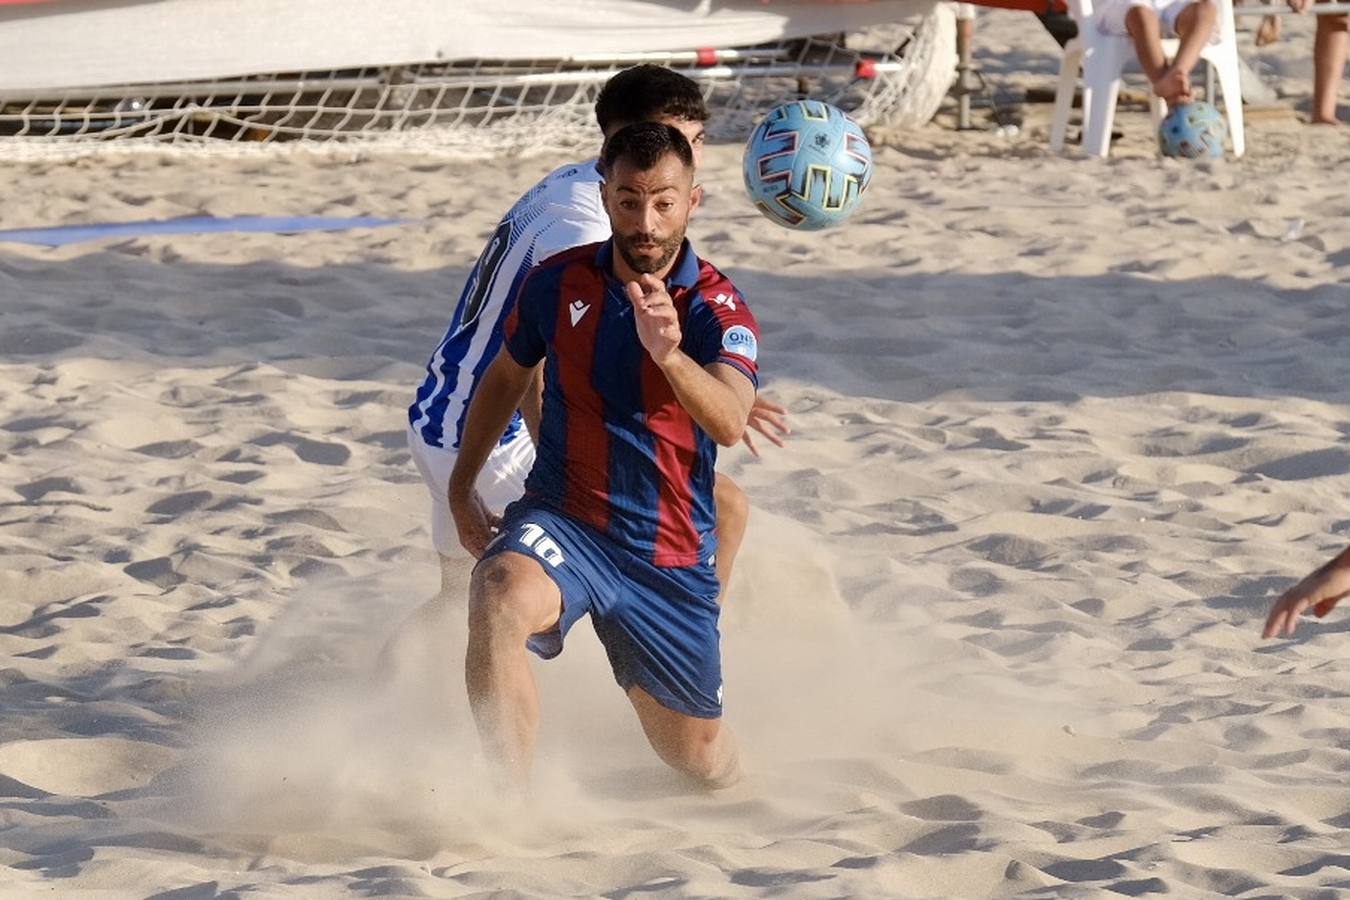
(1320, 591)
(650, 359)
(562, 211)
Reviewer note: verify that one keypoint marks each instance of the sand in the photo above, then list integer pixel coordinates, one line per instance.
(1063, 428)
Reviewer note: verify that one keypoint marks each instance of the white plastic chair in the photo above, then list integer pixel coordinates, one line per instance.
(1102, 58)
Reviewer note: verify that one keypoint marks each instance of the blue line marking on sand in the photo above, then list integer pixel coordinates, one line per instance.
(61, 235)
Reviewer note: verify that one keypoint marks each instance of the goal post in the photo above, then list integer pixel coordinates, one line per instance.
(888, 62)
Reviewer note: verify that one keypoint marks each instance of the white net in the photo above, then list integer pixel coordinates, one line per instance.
(893, 75)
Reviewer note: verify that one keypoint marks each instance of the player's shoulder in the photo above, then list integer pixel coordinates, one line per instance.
(584, 172)
(542, 285)
(714, 285)
(583, 255)
(572, 186)
(577, 182)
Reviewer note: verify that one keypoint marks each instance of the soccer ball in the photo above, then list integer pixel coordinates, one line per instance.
(1192, 130)
(806, 165)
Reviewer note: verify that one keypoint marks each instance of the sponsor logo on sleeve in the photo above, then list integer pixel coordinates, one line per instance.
(740, 340)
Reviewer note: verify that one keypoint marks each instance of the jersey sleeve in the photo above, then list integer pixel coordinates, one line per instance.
(564, 234)
(722, 329)
(575, 216)
(522, 335)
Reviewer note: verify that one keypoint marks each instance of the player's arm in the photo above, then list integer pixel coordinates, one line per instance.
(1321, 591)
(495, 399)
(716, 396)
(769, 419)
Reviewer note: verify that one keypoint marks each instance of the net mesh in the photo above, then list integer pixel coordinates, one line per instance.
(893, 75)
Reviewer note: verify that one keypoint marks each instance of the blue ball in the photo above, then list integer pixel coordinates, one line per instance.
(807, 165)
(1193, 131)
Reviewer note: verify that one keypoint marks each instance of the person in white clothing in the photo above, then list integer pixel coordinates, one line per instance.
(1147, 22)
(562, 211)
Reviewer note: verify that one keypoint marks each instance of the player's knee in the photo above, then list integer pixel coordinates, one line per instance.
(710, 760)
(1202, 13)
(699, 757)
(1137, 17)
(699, 753)
(733, 506)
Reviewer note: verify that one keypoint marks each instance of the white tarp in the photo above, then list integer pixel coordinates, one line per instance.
(86, 43)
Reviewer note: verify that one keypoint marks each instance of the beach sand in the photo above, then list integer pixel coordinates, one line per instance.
(1062, 430)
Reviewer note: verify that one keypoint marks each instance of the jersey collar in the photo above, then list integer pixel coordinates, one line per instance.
(684, 274)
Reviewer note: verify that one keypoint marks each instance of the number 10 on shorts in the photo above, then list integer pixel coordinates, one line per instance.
(532, 536)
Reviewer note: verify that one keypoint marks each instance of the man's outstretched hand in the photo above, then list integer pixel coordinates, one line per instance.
(769, 419)
(1320, 591)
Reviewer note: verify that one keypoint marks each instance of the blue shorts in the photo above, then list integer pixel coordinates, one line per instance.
(658, 625)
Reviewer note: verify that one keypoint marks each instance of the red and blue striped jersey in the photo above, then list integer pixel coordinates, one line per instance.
(616, 450)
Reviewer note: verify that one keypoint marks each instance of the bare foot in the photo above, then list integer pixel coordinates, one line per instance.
(1318, 120)
(1174, 86)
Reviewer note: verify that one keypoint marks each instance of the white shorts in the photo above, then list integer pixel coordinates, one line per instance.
(1111, 15)
(501, 481)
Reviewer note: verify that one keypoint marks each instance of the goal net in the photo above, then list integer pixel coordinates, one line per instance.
(893, 74)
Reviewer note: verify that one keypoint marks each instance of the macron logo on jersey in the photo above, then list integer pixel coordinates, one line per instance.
(577, 309)
(725, 300)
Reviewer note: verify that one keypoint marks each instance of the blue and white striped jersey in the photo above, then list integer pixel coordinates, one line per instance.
(560, 212)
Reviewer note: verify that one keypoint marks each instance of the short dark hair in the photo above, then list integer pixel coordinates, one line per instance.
(646, 92)
(644, 144)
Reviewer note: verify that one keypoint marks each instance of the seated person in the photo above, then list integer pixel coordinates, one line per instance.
(1147, 22)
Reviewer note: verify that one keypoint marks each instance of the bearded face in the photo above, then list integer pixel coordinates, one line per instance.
(649, 212)
(648, 252)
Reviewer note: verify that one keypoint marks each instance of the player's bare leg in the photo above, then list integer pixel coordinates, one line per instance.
(1329, 53)
(733, 514)
(510, 598)
(418, 644)
(703, 749)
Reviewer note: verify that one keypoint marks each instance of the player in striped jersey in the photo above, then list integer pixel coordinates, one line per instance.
(560, 212)
(650, 361)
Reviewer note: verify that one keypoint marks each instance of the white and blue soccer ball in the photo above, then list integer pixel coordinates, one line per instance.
(807, 165)
(1193, 131)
